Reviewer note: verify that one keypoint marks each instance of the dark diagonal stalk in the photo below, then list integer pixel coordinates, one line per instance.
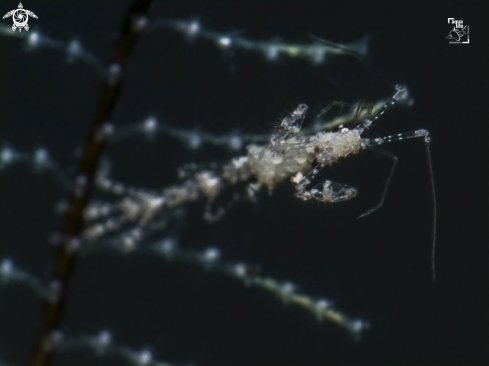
(69, 242)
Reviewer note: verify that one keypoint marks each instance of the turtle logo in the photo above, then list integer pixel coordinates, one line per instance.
(20, 17)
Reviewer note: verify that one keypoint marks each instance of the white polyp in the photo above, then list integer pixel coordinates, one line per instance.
(41, 156)
(192, 28)
(7, 155)
(271, 52)
(81, 181)
(80, 185)
(144, 357)
(7, 267)
(115, 70)
(321, 306)
(194, 140)
(104, 210)
(73, 245)
(91, 212)
(54, 287)
(240, 270)
(111, 224)
(98, 210)
(150, 125)
(34, 39)
(212, 255)
(104, 338)
(75, 48)
(118, 188)
(287, 290)
(318, 55)
(108, 129)
(54, 291)
(357, 326)
(235, 142)
(224, 41)
(102, 182)
(56, 337)
(137, 234)
(139, 23)
(52, 340)
(129, 243)
(168, 247)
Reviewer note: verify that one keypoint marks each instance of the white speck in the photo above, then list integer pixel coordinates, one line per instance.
(144, 357)
(7, 155)
(114, 73)
(104, 338)
(139, 23)
(168, 246)
(137, 234)
(357, 326)
(7, 267)
(318, 55)
(240, 269)
(34, 39)
(118, 188)
(212, 254)
(108, 129)
(287, 289)
(235, 142)
(112, 224)
(194, 140)
(322, 305)
(272, 52)
(128, 243)
(73, 245)
(150, 125)
(193, 28)
(75, 48)
(56, 337)
(41, 156)
(225, 42)
(81, 181)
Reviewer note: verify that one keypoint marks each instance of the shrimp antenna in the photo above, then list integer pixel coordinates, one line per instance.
(435, 213)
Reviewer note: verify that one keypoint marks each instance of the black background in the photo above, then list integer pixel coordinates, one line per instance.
(376, 268)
